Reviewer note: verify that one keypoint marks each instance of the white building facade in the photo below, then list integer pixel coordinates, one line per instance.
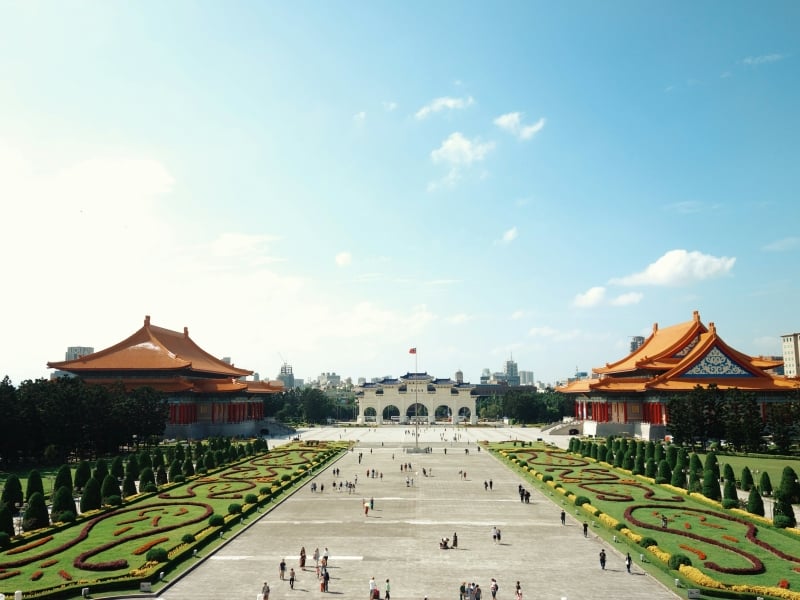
(416, 397)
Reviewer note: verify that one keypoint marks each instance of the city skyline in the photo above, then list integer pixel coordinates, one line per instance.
(473, 180)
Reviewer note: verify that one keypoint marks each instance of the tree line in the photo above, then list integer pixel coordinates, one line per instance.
(713, 414)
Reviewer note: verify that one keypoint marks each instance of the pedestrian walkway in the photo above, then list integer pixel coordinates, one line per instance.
(400, 537)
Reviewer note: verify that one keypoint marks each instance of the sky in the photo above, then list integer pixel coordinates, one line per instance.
(330, 184)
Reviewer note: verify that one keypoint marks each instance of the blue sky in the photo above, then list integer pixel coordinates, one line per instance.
(332, 183)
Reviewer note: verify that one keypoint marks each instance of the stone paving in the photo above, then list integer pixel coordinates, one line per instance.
(399, 538)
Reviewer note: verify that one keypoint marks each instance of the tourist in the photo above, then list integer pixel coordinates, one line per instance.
(455, 540)
(373, 588)
(494, 534)
(303, 557)
(628, 562)
(265, 591)
(315, 556)
(387, 588)
(563, 517)
(462, 591)
(291, 578)
(603, 559)
(493, 587)
(585, 529)
(282, 569)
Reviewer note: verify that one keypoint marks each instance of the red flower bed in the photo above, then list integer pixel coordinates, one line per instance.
(36, 576)
(8, 574)
(30, 545)
(64, 575)
(700, 554)
(155, 521)
(687, 525)
(145, 547)
(730, 538)
(48, 563)
(122, 530)
(783, 583)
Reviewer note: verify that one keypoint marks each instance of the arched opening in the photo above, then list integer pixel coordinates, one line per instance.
(391, 414)
(370, 415)
(464, 414)
(443, 414)
(417, 413)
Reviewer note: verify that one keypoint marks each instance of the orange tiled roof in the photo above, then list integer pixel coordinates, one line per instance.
(681, 357)
(265, 387)
(153, 348)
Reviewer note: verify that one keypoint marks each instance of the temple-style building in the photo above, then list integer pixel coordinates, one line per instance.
(206, 395)
(629, 396)
(416, 397)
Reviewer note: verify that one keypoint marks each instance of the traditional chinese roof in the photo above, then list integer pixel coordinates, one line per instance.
(153, 349)
(679, 358)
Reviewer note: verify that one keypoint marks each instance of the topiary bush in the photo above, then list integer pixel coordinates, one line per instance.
(581, 500)
(157, 555)
(620, 526)
(216, 520)
(187, 538)
(286, 477)
(730, 503)
(5, 540)
(547, 478)
(234, 508)
(251, 499)
(65, 516)
(646, 542)
(676, 560)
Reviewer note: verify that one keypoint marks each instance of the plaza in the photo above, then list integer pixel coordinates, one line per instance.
(399, 538)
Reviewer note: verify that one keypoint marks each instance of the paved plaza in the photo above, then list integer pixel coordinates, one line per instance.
(399, 538)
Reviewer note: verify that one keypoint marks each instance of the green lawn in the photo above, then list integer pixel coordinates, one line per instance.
(727, 546)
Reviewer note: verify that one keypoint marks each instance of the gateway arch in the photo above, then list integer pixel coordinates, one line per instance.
(416, 397)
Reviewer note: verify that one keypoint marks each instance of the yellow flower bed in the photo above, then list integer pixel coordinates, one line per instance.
(793, 530)
(551, 483)
(705, 500)
(561, 490)
(763, 590)
(758, 518)
(635, 537)
(674, 488)
(660, 554)
(696, 576)
(608, 520)
(589, 508)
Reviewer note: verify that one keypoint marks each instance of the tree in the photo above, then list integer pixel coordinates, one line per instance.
(36, 516)
(783, 513)
(727, 473)
(695, 473)
(109, 489)
(711, 485)
(82, 475)
(6, 520)
(12, 493)
(755, 505)
(664, 472)
(132, 467)
(63, 479)
(174, 470)
(35, 484)
(128, 485)
(765, 484)
(712, 464)
(117, 467)
(730, 498)
(746, 479)
(146, 477)
(741, 420)
(100, 469)
(91, 498)
(63, 502)
(790, 486)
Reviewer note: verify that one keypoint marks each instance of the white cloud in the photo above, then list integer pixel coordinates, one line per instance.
(389, 106)
(627, 299)
(444, 103)
(343, 259)
(553, 334)
(783, 245)
(512, 123)
(459, 318)
(459, 150)
(509, 236)
(754, 61)
(591, 297)
(679, 267)
(517, 315)
(360, 117)
(448, 181)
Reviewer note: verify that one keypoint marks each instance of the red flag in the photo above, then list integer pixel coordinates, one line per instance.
(412, 351)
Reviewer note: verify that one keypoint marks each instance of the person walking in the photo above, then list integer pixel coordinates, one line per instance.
(478, 592)
(628, 562)
(493, 587)
(518, 592)
(282, 569)
(455, 540)
(265, 591)
(315, 556)
(585, 529)
(603, 559)
(494, 534)
(303, 557)
(563, 517)
(387, 589)
(373, 588)
(462, 591)
(291, 578)
(326, 580)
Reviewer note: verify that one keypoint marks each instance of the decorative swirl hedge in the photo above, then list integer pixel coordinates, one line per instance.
(99, 549)
(731, 553)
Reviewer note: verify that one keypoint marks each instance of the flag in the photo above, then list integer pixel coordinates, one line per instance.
(412, 351)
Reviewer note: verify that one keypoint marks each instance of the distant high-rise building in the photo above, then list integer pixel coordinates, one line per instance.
(287, 376)
(636, 342)
(486, 375)
(526, 378)
(76, 352)
(511, 372)
(790, 344)
(459, 376)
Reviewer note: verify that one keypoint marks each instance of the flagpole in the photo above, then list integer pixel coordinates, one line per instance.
(416, 403)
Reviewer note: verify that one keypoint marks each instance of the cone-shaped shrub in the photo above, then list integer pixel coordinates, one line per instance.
(711, 485)
(747, 479)
(36, 516)
(82, 475)
(765, 484)
(35, 485)
(91, 499)
(62, 501)
(755, 505)
(63, 479)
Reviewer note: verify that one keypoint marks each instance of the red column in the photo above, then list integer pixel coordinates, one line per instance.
(624, 412)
